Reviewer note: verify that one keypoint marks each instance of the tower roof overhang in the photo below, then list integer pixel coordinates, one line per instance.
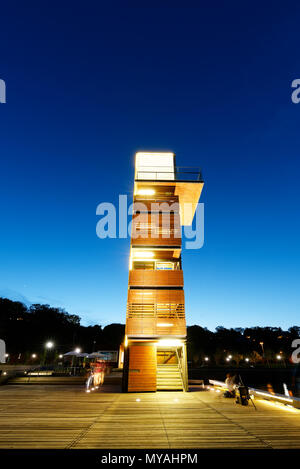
(188, 193)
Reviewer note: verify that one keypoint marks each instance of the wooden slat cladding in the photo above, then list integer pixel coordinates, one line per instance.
(155, 313)
(162, 204)
(156, 230)
(170, 278)
(142, 368)
(152, 327)
(145, 296)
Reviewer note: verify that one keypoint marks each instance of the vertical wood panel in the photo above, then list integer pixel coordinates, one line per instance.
(142, 367)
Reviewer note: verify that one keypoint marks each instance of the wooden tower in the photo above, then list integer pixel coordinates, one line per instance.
(165, 197)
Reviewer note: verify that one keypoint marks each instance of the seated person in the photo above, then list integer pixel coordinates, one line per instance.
(230, 385)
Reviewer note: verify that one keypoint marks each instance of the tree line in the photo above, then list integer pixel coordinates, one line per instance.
(26, 330)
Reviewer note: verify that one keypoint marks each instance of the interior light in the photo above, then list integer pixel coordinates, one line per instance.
(146, 192)
(145, 254)
(169, 342)
(164, 324)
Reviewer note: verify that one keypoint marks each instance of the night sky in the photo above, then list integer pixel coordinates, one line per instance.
(87, 87)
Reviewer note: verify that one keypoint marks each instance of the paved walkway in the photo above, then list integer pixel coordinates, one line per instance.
(36, 416)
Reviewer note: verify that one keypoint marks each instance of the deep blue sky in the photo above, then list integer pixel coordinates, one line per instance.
(87, 87)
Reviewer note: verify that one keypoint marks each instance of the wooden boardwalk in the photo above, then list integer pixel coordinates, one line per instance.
(39, 416)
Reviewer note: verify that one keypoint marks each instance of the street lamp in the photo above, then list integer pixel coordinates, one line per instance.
(48, 346)
(33, 355)
(77, 350)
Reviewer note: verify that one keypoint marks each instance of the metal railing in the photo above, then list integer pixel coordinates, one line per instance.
(180, 174)
(181, 370)
(260, 394)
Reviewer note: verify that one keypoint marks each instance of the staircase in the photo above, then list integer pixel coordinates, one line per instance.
(168, 378)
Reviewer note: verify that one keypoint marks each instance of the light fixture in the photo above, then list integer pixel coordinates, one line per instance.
(60, 356)
(33, 355)
(280, 406)
(138, 400)
(146, 192)
(143, 254)
(281, 398)
(206, 359)
(6, 355)
(49, 344)
(169, 342)
(230, 356)
(246, 359)
(278, 357)
(77, 350)
(164, 324)
(126, 341)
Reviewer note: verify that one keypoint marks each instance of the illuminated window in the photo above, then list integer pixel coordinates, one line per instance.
(143, 265)
(164, 266)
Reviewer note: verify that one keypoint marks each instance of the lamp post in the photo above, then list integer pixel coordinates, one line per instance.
(48, 346)
(77, 351)
(263, 351)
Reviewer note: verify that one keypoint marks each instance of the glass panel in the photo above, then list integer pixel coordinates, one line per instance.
(164, 266)
(143, 265)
